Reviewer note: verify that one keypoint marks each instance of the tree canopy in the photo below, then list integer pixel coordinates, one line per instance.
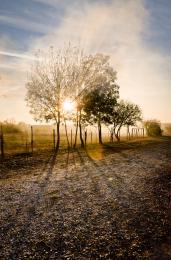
(87, 80)
(100, 103)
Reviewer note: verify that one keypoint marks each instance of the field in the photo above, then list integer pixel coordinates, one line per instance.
(108, 201)
(43, 138)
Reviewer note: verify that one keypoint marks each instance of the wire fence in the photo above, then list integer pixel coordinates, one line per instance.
(35, 138)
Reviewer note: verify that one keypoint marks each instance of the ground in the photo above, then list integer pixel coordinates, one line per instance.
(102, 202)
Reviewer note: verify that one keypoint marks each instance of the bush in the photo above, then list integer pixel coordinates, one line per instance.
(153, 128)
(168, 129)
(10, 127)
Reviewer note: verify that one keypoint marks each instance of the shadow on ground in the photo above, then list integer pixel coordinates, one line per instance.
(102, 202)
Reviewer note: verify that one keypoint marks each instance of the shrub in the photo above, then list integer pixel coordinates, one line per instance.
(168, 129)
(10, 127)
(153, 128)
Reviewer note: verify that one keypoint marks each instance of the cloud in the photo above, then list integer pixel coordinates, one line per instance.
(17, 55)
(101, 26)
(25, 24)
(118, 28)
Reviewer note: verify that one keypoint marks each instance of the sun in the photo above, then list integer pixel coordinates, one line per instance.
(68, 106)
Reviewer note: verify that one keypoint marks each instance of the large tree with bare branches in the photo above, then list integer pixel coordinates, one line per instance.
(47, 86)
(64, 74)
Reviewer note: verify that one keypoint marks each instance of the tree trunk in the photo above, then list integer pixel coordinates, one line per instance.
(128, 133)
(80, 128)
(117, 137)
(111, 136)
(76, 131)
(58, 131)
(81, 135)
(66, 132)
(100, 132)
(117, 134)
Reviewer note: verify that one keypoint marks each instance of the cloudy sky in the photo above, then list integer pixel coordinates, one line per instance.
(135, 33)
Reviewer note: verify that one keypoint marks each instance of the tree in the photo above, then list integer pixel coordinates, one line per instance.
(99, 104)
(51, 81)
(64, 74)
(153, 127)
(47, 86)
(94, 72)
(124, 114)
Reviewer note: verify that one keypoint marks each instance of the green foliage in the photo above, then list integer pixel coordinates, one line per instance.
(126, 113)
(99, 103)
(153, 128)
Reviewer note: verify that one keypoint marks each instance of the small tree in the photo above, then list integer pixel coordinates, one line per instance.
(124, 114)
(99, 104)
(153, 127)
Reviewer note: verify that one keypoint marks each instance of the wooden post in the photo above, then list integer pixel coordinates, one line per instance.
(32, 139)
(26, 147)
(2, 143)
(127, 132)
(71, 138)
(54, 145)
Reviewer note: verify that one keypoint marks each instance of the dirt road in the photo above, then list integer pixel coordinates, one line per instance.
(95, 203)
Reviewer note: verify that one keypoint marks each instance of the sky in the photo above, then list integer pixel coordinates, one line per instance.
(135, 33)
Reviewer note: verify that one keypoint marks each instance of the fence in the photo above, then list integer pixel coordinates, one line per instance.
(35, 138)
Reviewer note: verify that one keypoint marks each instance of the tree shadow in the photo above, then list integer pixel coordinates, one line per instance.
(28, 207)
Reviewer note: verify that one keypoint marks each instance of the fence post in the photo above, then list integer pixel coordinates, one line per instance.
(2, 143)
(32, 139)
(54, 145)
(26, 145)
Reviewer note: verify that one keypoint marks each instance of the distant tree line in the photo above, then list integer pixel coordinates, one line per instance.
(11, 127)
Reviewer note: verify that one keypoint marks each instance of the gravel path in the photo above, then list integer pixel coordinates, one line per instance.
(88, 204)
